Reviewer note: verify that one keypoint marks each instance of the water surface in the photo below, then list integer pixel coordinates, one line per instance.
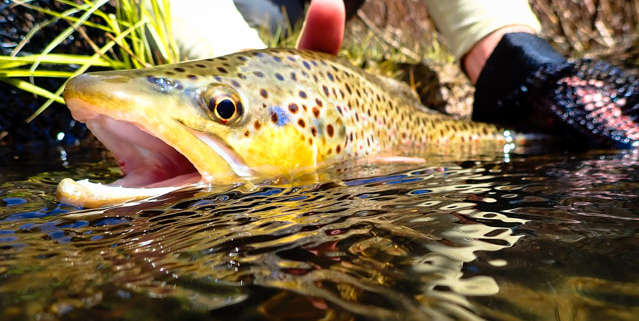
(497, 236)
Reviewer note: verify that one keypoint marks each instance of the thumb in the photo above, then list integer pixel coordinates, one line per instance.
(323, 28)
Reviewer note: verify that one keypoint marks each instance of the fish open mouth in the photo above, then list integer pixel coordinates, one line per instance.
(150, 165)
(145, 160)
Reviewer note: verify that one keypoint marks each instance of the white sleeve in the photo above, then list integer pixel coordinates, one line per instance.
(210, 28)
(464, 22)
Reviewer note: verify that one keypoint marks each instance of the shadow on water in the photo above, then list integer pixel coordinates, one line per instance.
(507, 237)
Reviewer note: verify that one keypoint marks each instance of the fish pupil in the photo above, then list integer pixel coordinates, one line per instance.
(225, 109)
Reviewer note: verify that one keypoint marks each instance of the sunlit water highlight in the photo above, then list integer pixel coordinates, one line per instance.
(505, 237)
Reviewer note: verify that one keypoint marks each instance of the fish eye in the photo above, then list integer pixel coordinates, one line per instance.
(224, 109)
(222, 104)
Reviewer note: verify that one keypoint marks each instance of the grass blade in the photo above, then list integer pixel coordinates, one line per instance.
(60, 59)
(88, 64)
(27, 86)
(68, 31)
(38, 73)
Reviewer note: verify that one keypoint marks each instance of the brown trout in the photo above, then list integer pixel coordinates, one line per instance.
(260, 114)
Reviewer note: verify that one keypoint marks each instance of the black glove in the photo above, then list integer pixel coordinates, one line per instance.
(528, 86)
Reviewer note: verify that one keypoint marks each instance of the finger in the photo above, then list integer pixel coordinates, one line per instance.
(324, 26)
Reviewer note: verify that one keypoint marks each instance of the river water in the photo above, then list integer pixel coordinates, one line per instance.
(498, 236)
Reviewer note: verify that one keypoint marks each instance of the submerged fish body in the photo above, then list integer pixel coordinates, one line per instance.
(269, 113)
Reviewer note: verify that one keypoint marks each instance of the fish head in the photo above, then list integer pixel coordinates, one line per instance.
(218, 120)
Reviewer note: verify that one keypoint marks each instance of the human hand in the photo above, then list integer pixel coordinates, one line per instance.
(528, 85)
(323, 28)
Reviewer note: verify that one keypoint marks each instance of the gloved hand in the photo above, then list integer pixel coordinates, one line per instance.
(527, 85)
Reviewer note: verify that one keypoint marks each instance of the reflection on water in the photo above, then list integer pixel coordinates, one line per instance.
(490, 237)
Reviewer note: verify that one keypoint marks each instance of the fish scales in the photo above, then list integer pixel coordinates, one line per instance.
(334, 107)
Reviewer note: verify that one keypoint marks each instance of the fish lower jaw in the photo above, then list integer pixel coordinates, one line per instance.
(91, 195)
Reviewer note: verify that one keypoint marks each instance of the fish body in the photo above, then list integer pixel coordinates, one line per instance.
(273, 112)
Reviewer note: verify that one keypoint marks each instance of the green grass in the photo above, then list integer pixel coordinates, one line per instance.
(137, 37)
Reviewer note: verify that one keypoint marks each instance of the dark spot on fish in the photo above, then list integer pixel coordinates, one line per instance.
(279, 77)
(258, 74)
(179, 69)
(293, 76)
(264, 93)
(316, 112)
(222, 70)
(338, 149)
(305, 108)
(348, 88)
(241, 75)
(246, 133)
(200, 66)
(257, 124)
(192, 77)
(301, 123)
(218, 79)
(325, 90)
(277, 59)
(330, 151)
(330, 76)
(318, 102)
(339, 110)
(235, 83)
(274, 118)
(293, 108)
(170, 73)
(222, 58)
(258, 54)
(291, 58)
(341, 93)
(242, 58)
(305, 63)
(310, 141)
(314, 131)
(302, 94)
(329, 130)
(315, 78)
(314, 63)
